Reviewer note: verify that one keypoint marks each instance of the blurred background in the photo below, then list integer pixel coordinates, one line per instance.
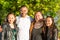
(48, 8)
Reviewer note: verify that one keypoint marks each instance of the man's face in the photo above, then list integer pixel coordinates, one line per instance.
(24, 11)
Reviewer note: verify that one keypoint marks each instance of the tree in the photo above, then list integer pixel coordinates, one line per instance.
(48, 7)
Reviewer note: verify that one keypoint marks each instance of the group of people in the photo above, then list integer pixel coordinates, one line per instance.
(23, 27)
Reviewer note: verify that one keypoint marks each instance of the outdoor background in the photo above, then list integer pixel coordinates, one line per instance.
(48, 8)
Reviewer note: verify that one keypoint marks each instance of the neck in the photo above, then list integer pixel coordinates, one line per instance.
(11, 23)
(49, 27)
(37, 21)
(23, 16)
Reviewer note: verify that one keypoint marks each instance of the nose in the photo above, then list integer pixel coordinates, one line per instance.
(9, 20)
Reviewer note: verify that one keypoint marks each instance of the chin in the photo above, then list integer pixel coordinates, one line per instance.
(48, 25)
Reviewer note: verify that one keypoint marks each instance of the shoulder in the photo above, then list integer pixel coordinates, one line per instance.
(55, 30)
(17, 17)
(31, 19)
(32, 23)
(4, 26)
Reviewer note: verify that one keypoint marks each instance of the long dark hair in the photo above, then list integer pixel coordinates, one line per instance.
(52, 27)
(53, 24)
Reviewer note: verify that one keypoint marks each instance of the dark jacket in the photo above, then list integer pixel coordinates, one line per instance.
(51, 33)
(0, 35)
(40, 32)
(7, 33)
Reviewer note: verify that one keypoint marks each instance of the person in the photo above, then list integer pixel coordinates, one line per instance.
(23, 22)
(10, 28)
(0, 32)
(37, 27)
(51, 29)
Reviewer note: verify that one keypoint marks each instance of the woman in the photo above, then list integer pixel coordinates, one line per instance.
(37, 27)
(51, 30)
(10, 29)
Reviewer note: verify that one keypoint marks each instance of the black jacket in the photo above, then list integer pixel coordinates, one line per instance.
(51, 33)
(7, 33)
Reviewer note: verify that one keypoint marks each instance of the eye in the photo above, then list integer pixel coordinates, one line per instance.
(12, 18)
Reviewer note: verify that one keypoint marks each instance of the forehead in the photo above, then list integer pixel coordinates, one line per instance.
(38, 13)
(49, 18)
(10, 15)
(24, 8)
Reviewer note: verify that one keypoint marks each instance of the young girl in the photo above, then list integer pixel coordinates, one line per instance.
(10, 29)
(36, 29)
(51, 30)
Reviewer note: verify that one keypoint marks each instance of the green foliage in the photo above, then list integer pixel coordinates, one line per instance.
(48, 7)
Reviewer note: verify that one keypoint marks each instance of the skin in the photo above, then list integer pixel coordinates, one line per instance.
(48, 22)
(11, 19)
(24, 11)
(38, 16)
(0, 29)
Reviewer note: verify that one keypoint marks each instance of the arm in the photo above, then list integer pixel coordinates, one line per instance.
(55, 34)
(0, 28)
(3, 31)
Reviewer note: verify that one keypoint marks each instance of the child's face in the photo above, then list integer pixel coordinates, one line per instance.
(49, 21)
(11, 18)
(38, 16)
(24, 11)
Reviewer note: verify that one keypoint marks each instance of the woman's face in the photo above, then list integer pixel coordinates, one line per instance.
(11, 18)
(38, 16)
(49, 21)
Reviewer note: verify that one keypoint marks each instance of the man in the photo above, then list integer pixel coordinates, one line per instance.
(23, 22)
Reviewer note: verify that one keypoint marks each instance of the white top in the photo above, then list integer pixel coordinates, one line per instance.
(24, 26)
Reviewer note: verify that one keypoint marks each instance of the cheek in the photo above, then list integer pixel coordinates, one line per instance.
(36, 17)
(40, 17)
(50, 22)
(9, 20)
(26, 12)
(13, 19)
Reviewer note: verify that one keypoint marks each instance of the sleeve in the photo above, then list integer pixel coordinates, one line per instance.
(55, 34)
(17, 34)
(31, 19)
(4, 31)
(17, 19)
